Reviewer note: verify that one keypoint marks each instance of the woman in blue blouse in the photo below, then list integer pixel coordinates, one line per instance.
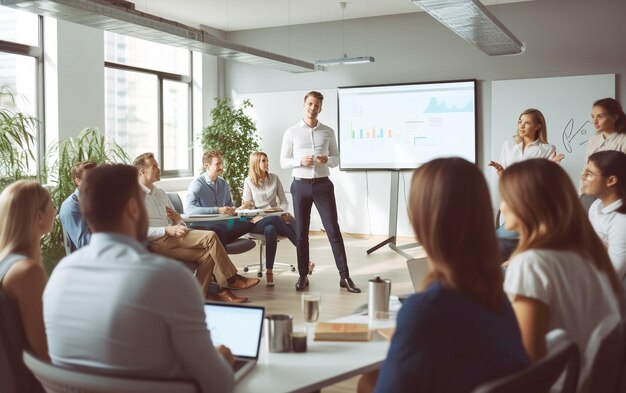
(460, 331)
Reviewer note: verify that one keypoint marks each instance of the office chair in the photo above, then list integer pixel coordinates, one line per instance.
(563, 356)
(58, 379)
(238, 246)
(605, 351)
(260, 238)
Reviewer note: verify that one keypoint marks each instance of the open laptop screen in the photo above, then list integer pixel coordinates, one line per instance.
(237, 327)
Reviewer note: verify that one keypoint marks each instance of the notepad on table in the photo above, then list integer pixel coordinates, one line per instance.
(337, 331)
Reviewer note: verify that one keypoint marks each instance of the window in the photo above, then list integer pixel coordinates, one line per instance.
(21, 66)
(148, 100)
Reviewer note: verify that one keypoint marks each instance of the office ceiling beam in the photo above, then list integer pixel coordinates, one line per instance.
(121, 17)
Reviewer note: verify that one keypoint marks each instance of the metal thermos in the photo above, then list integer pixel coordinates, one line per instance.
(278, 329)
(379, 291)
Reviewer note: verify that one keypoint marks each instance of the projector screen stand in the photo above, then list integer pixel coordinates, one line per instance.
(393, 221)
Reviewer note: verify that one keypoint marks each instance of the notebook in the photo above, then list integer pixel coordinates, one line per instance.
(239, 328)
(417, 270)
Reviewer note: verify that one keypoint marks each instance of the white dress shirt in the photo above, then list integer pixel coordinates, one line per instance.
(611, 228)
(156, 203)
(116, 307)
(512, 152)
(300, 141)
(265, 195)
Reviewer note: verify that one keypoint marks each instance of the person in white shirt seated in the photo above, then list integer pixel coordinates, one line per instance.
(113, 307)
(530, 141)
(263, 190)
(605, 179)
(560, 276)
(169, 235)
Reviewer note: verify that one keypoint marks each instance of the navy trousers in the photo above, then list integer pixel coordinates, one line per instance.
(271, 227)
(320, 192)
(227, 232)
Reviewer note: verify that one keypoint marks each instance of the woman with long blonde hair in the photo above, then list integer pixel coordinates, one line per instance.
(263, 190)
(560, 275)
(460, 331)
(27, 214)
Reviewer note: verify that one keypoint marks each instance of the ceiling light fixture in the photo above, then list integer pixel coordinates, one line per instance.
(345, 60)
(470, 20)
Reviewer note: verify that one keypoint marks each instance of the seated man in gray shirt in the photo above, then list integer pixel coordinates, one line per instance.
(115, 308)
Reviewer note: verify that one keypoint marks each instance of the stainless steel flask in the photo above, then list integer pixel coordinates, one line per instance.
(379, 291)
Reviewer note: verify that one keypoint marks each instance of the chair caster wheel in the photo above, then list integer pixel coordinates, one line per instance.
(245, 269)
(259, 274)
(293, 268)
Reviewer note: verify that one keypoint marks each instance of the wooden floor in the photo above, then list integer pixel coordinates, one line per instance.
(336, 302)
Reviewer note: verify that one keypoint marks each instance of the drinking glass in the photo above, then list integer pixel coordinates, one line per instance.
(311, 306)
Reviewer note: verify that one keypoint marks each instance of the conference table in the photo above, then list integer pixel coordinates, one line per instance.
(325, 362)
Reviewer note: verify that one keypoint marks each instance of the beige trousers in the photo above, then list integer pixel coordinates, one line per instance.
(202, 248)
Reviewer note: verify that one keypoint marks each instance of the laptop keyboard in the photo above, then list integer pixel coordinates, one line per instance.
(239, 364)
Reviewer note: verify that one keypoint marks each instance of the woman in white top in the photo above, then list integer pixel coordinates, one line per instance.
(560, 275)
(263, 190)
(27, 214)
(530, 141)
(609, 121)
(605, 179)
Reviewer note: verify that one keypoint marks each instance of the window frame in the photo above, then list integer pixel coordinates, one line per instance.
(161, 77)
(36, 52)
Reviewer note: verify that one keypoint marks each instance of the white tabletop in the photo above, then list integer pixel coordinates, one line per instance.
(325, 362)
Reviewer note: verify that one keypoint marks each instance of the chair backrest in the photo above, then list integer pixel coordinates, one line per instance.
(14, 376)
(605, 354)
(543, 374)
(56, 379)
(176, 201)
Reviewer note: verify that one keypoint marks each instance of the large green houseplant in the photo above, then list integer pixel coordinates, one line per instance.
(234, 134)
(18, 135)
(90, 144)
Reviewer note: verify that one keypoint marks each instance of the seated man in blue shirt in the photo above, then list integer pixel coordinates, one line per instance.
(71, 218)
(210, 194)
(113, 307)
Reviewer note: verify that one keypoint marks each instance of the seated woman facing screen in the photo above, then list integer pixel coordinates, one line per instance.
(461, 331)
(560, 275)
(605, 179)
(27, 214)
(263, 190)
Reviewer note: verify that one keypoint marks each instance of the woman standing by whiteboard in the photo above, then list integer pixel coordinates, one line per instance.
(609, 120)
(531, 141)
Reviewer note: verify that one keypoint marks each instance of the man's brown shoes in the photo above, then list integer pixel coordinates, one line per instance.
(240, 282)
(226, 295)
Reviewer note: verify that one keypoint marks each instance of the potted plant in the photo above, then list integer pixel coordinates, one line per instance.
(18, 135)
(234, 134)
(90, 144)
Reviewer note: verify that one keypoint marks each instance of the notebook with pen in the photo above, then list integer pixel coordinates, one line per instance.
(239, 328)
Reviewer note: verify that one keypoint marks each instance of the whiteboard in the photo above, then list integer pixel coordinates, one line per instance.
(565, 103)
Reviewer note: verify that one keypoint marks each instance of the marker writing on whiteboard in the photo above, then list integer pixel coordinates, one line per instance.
(569, 134)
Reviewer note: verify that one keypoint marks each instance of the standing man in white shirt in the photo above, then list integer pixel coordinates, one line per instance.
(168, 235)
(605, 179)
(309, 148)
(113, 307)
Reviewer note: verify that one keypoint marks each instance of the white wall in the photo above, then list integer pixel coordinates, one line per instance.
(563, 37)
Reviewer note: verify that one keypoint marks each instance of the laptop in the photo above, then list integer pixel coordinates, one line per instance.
(418, 267)
(239, 328)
